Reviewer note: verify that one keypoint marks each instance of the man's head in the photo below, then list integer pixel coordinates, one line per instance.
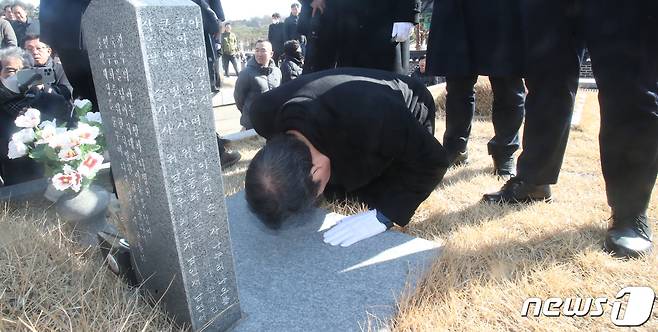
(9, 15)
(422, 63)
(227, 27)
(292, 48)
(294, 9)
(279, 182)
(11, 61)
(39, 50)
(263, 52)
(276, 18)
(20, 14)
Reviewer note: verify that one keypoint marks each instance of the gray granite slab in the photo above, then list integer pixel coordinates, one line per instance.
(148, 62)
(292, 281)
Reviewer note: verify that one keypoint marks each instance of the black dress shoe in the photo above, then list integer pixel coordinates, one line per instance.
(516, 190)
(628, 237)
(229, 158)
(504, 167)
(458, 158)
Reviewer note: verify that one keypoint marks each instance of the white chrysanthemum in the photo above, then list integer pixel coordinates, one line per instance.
(29, 119)
(24, 136)
(16, 149)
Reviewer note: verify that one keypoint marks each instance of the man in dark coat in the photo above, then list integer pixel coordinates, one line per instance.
(61, 21)
(23, 24)
(366, 33)
(345, 132)
(276, 34)
(471, 38)
(212, 15)
(623, 44)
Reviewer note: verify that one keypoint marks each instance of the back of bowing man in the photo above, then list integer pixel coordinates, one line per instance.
(345, 133)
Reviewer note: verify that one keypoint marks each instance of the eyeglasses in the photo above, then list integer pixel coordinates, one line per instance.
(40, 48)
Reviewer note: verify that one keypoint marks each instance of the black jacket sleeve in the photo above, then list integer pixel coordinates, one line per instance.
(406, 11)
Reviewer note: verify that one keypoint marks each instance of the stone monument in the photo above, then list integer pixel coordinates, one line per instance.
(151, 78)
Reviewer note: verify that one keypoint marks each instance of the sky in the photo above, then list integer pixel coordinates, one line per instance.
(243, 9)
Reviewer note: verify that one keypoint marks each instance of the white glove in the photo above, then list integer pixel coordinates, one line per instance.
(354, 228)
(402, 31)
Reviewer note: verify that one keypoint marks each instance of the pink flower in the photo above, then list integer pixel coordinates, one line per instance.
(69, 154)
(68, 179)
(29, 119)
(91, 164)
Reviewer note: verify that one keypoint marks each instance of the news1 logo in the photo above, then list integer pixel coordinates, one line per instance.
(636, 312)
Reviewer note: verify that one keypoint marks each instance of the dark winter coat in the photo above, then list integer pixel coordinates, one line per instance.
(290, 26)
(358, 34)
(276, 34)
(63, 20)
(375, 126)
(470, 37)
(22, 30)
(253, 81)
(291, 68)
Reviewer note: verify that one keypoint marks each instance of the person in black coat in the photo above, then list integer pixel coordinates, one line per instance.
(365, 34)
(276, 34)
(345, 132)
(61, 22)
(479, 37)
(212, 15)
(292, 61)
(623, 44)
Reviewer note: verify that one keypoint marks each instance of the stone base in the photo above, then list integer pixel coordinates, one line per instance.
(293, 281)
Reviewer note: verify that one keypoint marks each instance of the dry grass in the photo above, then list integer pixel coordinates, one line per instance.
(494, 256)
(49, 284)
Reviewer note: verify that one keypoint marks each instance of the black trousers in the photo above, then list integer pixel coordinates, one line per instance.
(226, 58)
(623, 46)
(507, 114)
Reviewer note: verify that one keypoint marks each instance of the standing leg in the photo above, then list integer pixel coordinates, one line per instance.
(460, 107)
(625, 64)
(234, 61)
(507, 116)
(225, 59)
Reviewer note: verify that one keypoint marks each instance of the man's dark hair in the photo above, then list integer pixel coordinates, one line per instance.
(276, 15)
(291, 47)
(6, 6)
(278, 182)
(30, 37)
(296, 5)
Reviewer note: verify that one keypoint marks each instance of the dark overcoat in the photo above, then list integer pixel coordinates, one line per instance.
(376, 128)
(470, 37)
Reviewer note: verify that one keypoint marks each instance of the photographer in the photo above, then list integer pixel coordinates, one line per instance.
(40, 57)
(17, 95)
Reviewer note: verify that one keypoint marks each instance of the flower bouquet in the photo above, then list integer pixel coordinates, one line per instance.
(71, 156)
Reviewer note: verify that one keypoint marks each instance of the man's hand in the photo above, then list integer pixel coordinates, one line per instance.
(318, 6)
(401, 31)
(354, 228)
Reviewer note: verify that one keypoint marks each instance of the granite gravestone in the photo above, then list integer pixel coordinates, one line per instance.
(149, 68)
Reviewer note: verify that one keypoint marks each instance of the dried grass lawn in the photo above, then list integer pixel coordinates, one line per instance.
(494, 256)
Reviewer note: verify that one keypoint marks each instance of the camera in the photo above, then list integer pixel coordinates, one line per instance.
(29, 77)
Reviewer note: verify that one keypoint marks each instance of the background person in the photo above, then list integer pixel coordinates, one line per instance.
(366, 34)
(292, 61)
(23, 24)
(471, 38)
(260, 75)
(276, 34)
(230, 49)
(623, 45)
